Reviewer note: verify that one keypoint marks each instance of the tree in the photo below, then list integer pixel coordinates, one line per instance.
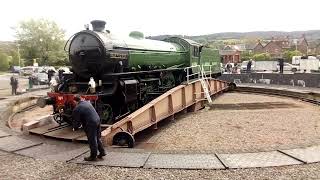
(4, 62)
(246, 55)
(231, 41)
(42, 40)
(262, 57)
(14, 58)
(289, 54)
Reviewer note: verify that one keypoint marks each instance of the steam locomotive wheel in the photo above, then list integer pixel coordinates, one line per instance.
(106, 114)
(167, 80)
(58, 118)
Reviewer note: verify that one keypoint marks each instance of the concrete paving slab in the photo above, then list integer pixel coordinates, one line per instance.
(3, 134)
(184, 161)
(260, 159)
(42, 129)
(65, 133)
(83, 138)
(55, 152)
(117, 159)
(308, 155)
(14, 143)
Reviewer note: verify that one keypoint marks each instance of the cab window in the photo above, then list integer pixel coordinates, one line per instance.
(196, 52)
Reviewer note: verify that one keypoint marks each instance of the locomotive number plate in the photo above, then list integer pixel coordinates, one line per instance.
(118, 56)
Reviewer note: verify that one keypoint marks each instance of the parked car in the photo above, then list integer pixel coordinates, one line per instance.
(289, 67)
(28, 70)
(15, 69)
(65, 69)
(226, 67)
(47, 68)
(40, 78)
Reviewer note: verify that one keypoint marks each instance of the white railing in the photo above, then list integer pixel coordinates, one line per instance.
(197, 73)
(206, 73)
(201, 72)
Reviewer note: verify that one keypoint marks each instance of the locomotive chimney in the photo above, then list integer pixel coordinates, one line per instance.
(98, 25)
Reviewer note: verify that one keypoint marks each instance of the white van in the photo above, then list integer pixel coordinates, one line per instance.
(308, 65)
(296, 60)
(28, 70)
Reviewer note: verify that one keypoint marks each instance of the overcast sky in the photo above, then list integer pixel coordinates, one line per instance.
(156, 17)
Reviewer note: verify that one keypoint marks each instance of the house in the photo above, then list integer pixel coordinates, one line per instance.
(314, 47)
(230, 54)
(302, 45)
(276, 47)
(258, 48)
(250, 48)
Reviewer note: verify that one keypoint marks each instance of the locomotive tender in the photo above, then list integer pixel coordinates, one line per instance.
(120, 75)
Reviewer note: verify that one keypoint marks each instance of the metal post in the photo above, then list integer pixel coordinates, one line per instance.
(187, 76)
(18, 45)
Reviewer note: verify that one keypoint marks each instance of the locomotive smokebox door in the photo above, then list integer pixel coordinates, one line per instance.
(131, 90)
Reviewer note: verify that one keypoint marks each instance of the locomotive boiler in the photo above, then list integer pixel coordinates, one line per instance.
(119, 75)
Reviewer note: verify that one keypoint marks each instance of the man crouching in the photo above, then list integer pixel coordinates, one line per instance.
(86, 116)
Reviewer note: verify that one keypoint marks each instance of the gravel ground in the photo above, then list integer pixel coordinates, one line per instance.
(19, 167)
(208, 130)
(230, 127)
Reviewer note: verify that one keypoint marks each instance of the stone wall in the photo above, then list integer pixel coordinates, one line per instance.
(297, 79)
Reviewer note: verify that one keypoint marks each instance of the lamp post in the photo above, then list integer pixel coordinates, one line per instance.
(41, 51)
(18, 46)
(296, 43)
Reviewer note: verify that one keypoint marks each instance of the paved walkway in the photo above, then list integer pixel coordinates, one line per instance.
(31, 146)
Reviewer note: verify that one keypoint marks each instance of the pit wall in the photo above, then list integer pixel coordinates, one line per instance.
(297, 79)
(15, 106)
(181, 98)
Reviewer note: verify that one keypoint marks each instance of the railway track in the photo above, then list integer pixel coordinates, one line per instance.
(28, 108)
(310, 97)
(164, 107)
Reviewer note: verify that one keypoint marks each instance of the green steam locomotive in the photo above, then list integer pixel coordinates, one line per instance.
(119, 75)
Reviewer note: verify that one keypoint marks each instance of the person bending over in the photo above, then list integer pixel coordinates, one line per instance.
(86, 116)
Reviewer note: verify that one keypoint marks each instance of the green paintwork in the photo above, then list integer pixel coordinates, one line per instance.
(173, 52)
(211, 57)
(158, 53)
(155, 58)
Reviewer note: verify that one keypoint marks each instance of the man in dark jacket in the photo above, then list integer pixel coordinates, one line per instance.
(84, 114)
(60, 74)
(249, 66)
(281, 64)
(14, 85)
(50, 74)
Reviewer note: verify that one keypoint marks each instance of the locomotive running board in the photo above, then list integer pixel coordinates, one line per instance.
(188, 97)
